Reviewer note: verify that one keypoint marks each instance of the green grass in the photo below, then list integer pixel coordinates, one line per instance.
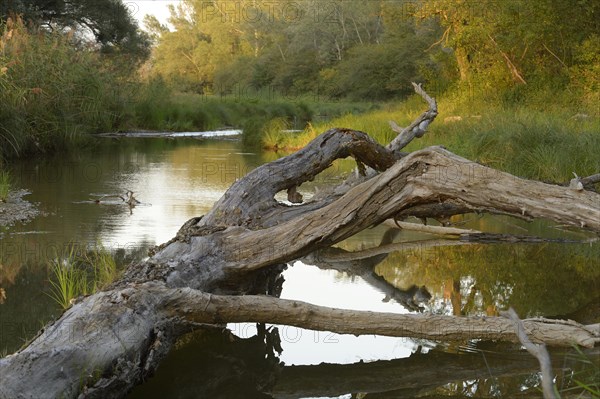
(157, 108)
(75, 274)
(5, 185)
(373, 121)
(546, 145)
(104, 267)
(585, 379)
(53, 94)
(68, 280)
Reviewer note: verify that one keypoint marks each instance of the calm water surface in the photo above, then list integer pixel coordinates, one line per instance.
(179, 179)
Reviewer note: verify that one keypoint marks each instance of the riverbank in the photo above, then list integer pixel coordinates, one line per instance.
(546, 145)
(15, 209)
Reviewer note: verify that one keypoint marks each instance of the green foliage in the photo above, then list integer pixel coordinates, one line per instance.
(502, 45)
(52, 92)
(258, 133)
(189, 112)
(5, 185)
(585, 73)
(546, 145)
(585, 376)
(103, 265)
(75, 274)
(326, 48)
(511, 51)
(109, 22)
(68, 281)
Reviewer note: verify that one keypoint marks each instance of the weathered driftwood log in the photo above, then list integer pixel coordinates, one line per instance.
(103, 344)
(110, 341)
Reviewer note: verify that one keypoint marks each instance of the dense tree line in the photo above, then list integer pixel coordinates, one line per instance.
(371, 49)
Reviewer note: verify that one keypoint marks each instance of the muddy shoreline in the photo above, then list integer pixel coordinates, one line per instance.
(17, 210)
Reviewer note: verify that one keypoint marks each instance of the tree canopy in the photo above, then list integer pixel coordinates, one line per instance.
(108, 22)
(355, 49)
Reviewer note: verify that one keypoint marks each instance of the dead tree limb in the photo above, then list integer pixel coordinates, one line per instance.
(440, 230)
(110, 341)
(537, 350)
(418, 127)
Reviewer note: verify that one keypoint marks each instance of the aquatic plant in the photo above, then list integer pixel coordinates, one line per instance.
(586, 378)
(104, 267)
(68, 281)
(5, 184)
(75, 274)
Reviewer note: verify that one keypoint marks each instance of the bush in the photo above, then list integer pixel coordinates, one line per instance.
(54, 93)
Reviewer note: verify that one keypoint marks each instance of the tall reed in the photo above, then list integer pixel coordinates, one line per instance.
(54, 91)
(77, 272)
(5, 185)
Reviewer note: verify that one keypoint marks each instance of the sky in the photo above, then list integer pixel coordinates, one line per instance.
(158, 8)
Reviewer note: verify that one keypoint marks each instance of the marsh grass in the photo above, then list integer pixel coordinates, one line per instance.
(53, 93)
(158, 108)
(68, 281)
(75, 273)
(584, 381)
(5, 185)
(104, 267)
(547, 145)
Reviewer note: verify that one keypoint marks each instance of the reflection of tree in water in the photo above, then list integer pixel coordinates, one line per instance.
(536, 279)
(364, 267)
(214, 363)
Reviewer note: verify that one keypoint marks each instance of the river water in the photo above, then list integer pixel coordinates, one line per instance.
(176, 179)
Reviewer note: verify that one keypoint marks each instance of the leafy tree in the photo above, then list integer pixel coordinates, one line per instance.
(109, 22)
(513, 42)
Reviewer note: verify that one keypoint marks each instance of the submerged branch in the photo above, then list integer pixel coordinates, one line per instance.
(539, 351)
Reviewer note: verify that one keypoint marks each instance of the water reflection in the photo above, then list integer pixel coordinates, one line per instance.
(218, 364)
(180, 179)
(541, 279)
(174, 179)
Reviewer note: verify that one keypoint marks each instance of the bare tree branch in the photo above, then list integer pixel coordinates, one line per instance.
(539, 351)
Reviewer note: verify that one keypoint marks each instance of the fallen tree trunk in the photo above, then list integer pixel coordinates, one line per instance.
(104, 343)
(110, 341)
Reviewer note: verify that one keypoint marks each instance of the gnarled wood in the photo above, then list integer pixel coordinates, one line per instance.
(110, 341)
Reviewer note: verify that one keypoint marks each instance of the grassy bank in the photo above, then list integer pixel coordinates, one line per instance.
(157, 108)
(523, 140)
(54, 92)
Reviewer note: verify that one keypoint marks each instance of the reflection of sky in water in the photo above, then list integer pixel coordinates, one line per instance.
(325, 288)
(185, 183)
(179, 179)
